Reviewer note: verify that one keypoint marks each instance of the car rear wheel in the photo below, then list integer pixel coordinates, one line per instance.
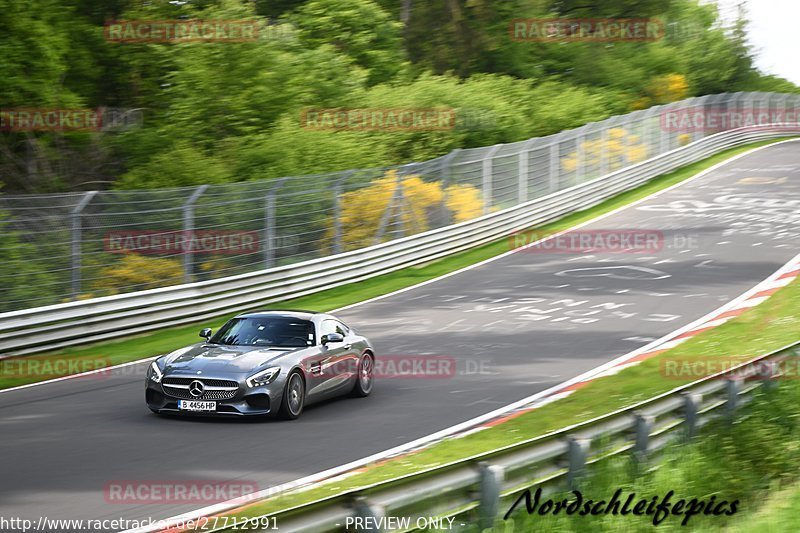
(294, 397)
(366, 376)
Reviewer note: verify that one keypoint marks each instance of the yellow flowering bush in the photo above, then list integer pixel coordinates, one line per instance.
(137, 272)
(363, 210)
(619, 146)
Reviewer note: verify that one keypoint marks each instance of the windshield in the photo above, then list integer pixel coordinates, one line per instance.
(284, 332)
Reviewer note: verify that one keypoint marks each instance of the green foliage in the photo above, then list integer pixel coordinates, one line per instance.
(23, 277)
(182, 165)
(219, 112)
(359, 29)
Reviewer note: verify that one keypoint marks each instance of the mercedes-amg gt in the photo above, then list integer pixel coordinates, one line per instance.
(271, 363)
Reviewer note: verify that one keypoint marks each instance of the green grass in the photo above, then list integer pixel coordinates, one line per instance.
(777, 512)
(752, 460)
(769, 326)
(162, 341)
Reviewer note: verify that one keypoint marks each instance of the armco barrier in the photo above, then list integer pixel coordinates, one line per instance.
(55, 326)
(481, 488)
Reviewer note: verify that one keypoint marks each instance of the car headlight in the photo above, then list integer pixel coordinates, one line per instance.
(155, 374)
(265, 377)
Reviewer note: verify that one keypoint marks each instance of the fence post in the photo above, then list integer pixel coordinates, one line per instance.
(580, 156)
(522, 184)
(391, 207)
(445, 171)
(490, 483)
(363, 509)
(577, 452)
(604, 151)
(188, 230)
(486, 188)
(664, 135)
(555, 170)
(269, 224)
(691, 403)
(337, 212)
(77, 241)
(400, 225)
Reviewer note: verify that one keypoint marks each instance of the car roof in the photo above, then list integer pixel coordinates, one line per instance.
(294, 313)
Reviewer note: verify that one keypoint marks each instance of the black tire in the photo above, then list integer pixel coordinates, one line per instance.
(365, 380)
(294, 397)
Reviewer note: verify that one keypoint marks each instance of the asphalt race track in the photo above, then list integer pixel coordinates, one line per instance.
(514, 326)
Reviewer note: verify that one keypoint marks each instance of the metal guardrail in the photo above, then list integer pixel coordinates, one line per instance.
(481, 488)
(45, 328)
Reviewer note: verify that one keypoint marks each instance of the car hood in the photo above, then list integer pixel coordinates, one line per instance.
(213, 359)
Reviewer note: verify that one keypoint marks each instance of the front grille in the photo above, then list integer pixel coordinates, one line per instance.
(215, 389)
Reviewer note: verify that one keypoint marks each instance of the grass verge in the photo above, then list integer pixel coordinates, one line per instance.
(63, 362)
(764, 328)
(752, 460)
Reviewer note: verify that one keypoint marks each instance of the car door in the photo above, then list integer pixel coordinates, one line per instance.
(330, 370)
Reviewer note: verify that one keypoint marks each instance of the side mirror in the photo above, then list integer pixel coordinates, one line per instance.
(332, 337)
(205, 333)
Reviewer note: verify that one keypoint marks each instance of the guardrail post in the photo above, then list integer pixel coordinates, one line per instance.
(363, 509)
(76, 247)
(269, 224)
(188, 231)
(486, 187)
(643, 427)
(691, 404)
(733, 386)
(767, 374)
(491, 483)
(577, 452)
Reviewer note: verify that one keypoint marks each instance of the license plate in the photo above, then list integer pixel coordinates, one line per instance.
(195, 405)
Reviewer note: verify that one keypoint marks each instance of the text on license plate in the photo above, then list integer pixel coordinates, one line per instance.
(195, 405)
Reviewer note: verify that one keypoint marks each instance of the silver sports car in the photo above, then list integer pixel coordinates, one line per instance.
(264, 363)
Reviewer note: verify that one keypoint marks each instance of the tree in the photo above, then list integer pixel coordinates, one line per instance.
(359, 29)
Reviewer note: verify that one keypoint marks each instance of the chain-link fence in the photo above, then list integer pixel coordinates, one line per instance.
(61, 247)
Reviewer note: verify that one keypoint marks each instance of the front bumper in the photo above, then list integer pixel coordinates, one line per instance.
(261, 401)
